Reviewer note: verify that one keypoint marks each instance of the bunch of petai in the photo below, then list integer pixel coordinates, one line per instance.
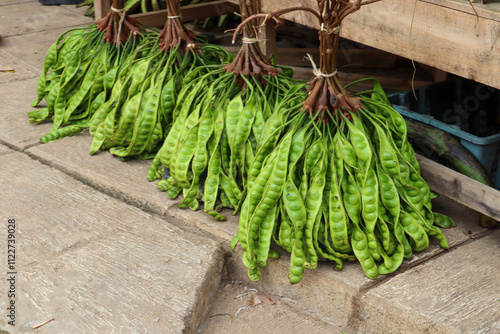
(323, 173)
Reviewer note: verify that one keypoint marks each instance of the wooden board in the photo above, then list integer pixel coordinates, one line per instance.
(489, 11)
(461, 188)
(159, 17)
(189, 13)
(446, 34)
(445, 38)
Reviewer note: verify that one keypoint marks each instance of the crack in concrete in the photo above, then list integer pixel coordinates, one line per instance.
(46, 30)
(210, 284)
(11, 4)
(11, 146)
(162, 213)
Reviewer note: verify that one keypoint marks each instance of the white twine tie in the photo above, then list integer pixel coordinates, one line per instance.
(121, 13)
(317, 72)
(248, 40)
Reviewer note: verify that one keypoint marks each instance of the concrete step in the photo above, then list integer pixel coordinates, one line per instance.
(456, 292)
(96, 264)
(236, 308)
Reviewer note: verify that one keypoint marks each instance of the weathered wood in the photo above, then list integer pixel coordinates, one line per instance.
(446, 34)
(348, 57)
(101, 8)
(189, 13)
(442, 37)
(460, 188)
(268, 39)
(490, 11)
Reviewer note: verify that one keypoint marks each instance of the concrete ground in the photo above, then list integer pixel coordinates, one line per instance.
(101, 250)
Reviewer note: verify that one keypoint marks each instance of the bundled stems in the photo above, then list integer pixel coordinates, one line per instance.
(174, 31)
(117, 25)
(325, 89)
(326, 92)
(250, 61)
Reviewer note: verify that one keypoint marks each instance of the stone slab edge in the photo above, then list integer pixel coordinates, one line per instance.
(108, 190)
(4, 149)
(211, 280)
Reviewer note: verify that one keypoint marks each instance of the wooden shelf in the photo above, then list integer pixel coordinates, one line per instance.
(158, 18)
(446, 34)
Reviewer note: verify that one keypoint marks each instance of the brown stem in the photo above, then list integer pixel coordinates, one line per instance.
(174, 34)
(117, 30)
(275, 16)
(250, 61)
(367, 2)
(326, 91)
(310, 102)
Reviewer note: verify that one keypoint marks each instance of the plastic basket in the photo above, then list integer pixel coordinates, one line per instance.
(433, 107)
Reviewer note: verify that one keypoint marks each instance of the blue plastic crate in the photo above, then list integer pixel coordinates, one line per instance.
(485, 149)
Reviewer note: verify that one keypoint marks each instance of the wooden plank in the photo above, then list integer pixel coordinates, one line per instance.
(348, 57)
(268, 39)
(447, 39)
(444, 34)
(461, 188)
(490, 10)
(189, 13)
(101, 8)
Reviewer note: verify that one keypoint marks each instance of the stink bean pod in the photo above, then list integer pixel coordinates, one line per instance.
(66, 131)
(270, 194)
(38, 116)
(360, 143)
(359, 244)
(214, 165)
(351, 196)
(40, 89)
(316, 236)
(337, 217)
(313, 200)
(415, 231)
(185, 148)
(369, 200)
(265, 234)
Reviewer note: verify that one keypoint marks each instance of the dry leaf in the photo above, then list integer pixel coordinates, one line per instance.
(253, 299)
(6, 68)
(259, 299)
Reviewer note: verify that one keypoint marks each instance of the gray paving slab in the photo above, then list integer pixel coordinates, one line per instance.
(96, 264)
(15, 102)
(28, 50)
(4, 149)
(21, 69)
(30, 29)
(237, 308)
(457, 292)
(124, 180)
(27, 17)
